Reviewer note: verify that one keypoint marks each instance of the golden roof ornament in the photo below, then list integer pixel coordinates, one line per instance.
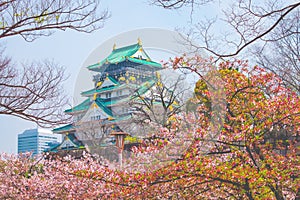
(94, 105)
(115, 46)
(99, 84)
(140, 41)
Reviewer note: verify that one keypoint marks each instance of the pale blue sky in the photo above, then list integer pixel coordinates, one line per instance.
(71, 49)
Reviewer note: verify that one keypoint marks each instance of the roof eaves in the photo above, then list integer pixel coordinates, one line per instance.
(112, 79)
(74, 139)
(68, 127)
(93, 91)
(116, 56)
(145, 62)
(80, 107)
(103, 107)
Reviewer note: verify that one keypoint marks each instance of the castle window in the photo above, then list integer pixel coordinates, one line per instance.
(108, 95)
(119, 93)
(98, 117)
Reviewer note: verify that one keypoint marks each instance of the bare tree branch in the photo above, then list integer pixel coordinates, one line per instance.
(282, 55)
(165, 98)
(175, 4)
(250, 25)
(268, 30)
(34, 93)
(245, 22)
(34, 18)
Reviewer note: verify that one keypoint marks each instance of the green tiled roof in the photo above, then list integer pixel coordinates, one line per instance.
(80, 107)
(87, 103)
(121, 54)
(93, 91)
(68, 127)
(78, 144)
(118, 55)
(101, 105)
(112, 79)
(144, 62)
(117, 119)
(74, 139)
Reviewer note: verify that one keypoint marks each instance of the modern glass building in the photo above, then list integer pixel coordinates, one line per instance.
(37, 140)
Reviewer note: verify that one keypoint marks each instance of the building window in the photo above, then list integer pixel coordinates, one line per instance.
(119, 93)
(98, 117)
(108, 95)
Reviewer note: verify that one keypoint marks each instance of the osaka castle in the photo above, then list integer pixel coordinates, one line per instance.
(126, 71)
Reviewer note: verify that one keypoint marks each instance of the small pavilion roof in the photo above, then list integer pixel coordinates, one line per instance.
(76, 144)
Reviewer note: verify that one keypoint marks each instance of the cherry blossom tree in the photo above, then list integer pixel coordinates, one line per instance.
(254, 155)
(250, 158)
